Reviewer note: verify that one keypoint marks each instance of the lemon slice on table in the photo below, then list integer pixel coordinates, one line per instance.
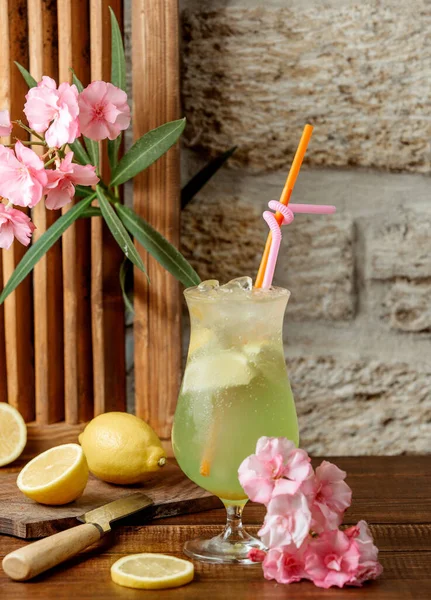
(13, 434)
(152, 571)
(226, 368)
(57, 476)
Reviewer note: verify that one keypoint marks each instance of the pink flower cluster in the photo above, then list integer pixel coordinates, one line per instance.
(61, 114)
(60, 187)
(304, 511)
(100, 111)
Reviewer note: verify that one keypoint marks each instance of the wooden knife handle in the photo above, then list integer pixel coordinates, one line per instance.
(29, 561)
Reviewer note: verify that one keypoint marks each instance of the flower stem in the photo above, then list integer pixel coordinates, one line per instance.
(51, 160)
(32, 131)
(32, 143)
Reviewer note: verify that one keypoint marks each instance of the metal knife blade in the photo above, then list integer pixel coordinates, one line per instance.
(108, 513)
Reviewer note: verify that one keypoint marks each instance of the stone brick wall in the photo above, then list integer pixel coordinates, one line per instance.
(358, 325)
(359, 71)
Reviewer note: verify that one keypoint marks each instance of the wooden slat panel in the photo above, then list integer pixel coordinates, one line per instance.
(156, 198)
(3, 379)
(74, 51)
(3, 376)
(107, 304)
(43, 437)
(18, 308)
(47, 280)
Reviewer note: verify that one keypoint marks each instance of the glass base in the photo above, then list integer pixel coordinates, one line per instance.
(224, 549)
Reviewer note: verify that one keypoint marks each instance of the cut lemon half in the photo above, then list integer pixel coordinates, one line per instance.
(152, 571)
(13, 434)
(57, 476)
(226, 368)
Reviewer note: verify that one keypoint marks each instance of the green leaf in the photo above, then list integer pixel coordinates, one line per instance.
(93, 151)
(113, 148)
(76, 81)
(124, 272)
(198, 181)
(118, 60)
(147, 150)
(118, 78)
(159, 247)
(118, 231)
(80, 153)
(30, 81)
(43, 244)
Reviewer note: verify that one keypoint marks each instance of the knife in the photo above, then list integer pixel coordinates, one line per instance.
(29, 561)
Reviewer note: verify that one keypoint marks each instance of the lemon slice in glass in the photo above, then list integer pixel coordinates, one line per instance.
(199, 338)
(57, 476)
(13, 434)
(151, 571)
(225, 368)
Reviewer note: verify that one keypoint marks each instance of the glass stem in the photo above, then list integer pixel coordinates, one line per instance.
(234, 531)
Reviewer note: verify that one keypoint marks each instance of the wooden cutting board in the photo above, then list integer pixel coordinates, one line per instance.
(172, 492)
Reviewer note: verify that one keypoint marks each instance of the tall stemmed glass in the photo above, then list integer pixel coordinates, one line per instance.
(235, 389)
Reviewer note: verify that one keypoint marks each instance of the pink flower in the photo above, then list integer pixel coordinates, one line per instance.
(5, 124)
(331, 559)
(53, 111)
(285, 565)
(22, 175)
(256, 555)
(329, 496)
(368, 567)
(104, 111)
(287, 521)
(14, 223)
(60, 188)
(278, 467)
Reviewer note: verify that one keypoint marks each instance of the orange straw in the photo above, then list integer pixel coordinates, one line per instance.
(285, 196)
(210, 448)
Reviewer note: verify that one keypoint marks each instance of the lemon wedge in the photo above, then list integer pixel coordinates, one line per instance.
(226, 368)
(57, 476)
(13, 434)
(152, 571)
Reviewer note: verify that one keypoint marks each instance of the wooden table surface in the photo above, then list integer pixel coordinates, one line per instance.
(392, 493)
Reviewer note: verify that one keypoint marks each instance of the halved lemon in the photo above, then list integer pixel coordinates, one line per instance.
(57, 476)
(151, 571)
(13, 434)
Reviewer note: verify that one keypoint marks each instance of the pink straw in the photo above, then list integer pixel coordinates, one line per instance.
(288, 216)
(313, 209)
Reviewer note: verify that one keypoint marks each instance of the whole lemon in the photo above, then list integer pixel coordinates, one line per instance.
(121, 448)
